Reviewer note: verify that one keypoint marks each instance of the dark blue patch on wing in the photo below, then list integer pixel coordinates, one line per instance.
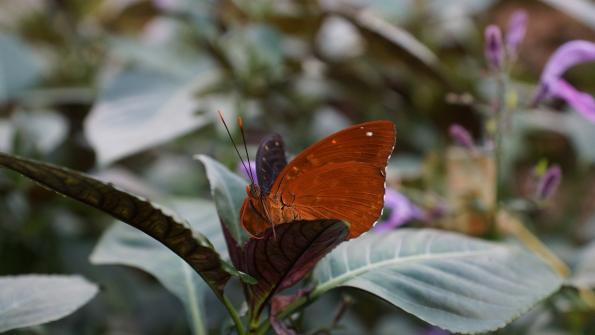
(270, 160)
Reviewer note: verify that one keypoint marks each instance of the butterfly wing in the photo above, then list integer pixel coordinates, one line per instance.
(270, 160)
(340, 177)
(349, 191)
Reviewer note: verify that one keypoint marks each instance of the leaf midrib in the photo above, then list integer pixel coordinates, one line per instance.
(337, 281)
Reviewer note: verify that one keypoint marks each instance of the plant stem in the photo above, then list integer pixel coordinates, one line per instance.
(233, 313)
(294, 306)
(500, 115)
(514, 226)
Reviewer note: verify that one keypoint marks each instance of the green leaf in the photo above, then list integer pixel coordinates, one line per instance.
(174, 233)
(228, 191)
(30, 300)
(124, 245)
(583, 11)
(458, 283)
(284, 256)
(19, 67)
(134, 106)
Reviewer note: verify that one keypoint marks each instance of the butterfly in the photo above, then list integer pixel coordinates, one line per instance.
(340, 177)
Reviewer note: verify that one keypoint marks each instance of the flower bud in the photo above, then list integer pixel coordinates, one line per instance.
(461, 136)
(515, 33)
(494, 52)
(549, 182)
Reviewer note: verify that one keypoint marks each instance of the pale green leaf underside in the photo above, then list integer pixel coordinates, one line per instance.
(449, 280)
(31, 300)
(138, 109)
(228, 191)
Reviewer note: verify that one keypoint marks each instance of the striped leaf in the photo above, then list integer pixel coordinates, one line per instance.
(281, 258)
(174, 233)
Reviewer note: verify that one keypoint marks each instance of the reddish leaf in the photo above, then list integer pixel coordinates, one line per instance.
(280, 259)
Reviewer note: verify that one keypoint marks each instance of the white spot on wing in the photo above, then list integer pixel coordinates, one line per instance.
(369, 133)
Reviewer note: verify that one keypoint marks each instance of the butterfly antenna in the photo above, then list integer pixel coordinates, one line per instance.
(236, 148)
(241, 125)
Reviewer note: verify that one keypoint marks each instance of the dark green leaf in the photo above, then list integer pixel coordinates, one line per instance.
(124, 245)
(191, 246)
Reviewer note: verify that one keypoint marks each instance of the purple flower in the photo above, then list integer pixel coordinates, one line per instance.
(401, 211)
(517, 26)
(461, 136)
(494, 52)
(553, 85)
(549, 182)
(244, 173)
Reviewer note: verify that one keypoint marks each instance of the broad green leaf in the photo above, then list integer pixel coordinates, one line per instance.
(30, 300)
(138, 109)
(19, 67)
(174, 233)
(124, 245)
(582, 10)
(283, 256)
(228, 191)
(449, 280)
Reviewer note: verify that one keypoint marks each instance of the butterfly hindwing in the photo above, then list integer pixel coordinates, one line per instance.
(270, 161)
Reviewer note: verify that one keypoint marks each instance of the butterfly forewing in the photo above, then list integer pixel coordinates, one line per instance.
(370, 143)
(270, 160)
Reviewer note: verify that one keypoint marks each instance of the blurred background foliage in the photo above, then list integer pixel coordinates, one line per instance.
(128, 90)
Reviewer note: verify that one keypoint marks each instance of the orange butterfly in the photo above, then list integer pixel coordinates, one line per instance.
(340, 177)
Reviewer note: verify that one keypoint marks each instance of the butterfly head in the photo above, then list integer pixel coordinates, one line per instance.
(253, 190)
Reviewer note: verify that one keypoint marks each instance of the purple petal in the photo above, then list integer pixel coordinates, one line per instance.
(549, 182)
(517, 26)
(494, 52)
(461, 136)
(582, 102)
(242, 171)
(401, 211)
(552, 85)
(566, 56)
